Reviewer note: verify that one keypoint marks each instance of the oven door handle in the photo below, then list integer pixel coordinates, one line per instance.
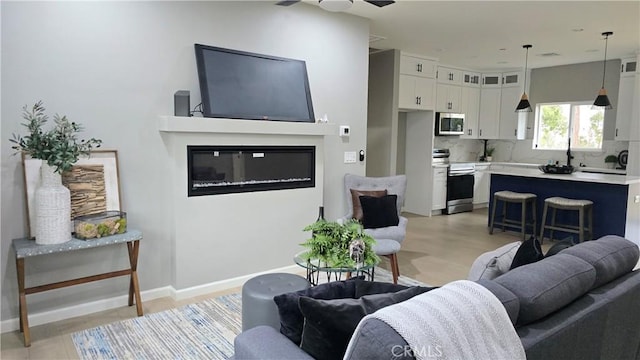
(462, 172)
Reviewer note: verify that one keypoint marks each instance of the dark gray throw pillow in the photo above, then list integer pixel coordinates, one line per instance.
(329, 324)
(291, 319)
(529, 252)
(378, 212)
(559, 246)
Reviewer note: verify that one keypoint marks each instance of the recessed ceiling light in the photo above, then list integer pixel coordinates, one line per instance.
(549, 54)
(591, 50)
(577, 29)
(502, 49)
(439, 49)
(502, 62)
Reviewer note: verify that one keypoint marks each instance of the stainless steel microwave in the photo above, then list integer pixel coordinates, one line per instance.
(449, 124)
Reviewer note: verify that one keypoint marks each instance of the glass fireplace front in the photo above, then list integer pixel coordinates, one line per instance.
(231, 169)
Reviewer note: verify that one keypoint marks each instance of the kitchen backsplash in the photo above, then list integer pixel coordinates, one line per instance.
(521, 151)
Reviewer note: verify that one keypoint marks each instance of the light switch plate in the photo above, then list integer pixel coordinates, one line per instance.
(350, 157)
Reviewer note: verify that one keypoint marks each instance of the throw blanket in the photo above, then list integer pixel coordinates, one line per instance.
(461, 320)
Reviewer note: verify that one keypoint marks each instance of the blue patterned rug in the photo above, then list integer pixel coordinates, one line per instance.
(204, 330)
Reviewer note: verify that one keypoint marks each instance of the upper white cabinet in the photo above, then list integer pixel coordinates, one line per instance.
(509, 99)
(448, 98)
(417, 84)
(470, 107)
(416, 93)
(499, 96)
(471, 79)
(489, 120)
(492, 80)
(626, 95)
(449, 76)
(629, 67)
(417, 66)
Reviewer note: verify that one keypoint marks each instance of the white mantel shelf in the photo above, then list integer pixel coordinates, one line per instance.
(182, 124)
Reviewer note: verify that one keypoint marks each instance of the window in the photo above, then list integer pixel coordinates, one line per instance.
(556, 122)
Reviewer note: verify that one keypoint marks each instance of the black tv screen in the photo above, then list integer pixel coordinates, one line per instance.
(242, 85)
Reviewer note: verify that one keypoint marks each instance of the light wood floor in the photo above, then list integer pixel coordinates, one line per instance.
(437, 250)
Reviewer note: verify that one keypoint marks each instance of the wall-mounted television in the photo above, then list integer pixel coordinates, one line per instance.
(242, 85)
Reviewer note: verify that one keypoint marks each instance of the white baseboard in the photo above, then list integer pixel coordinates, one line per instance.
(227, 283)
(50, 316)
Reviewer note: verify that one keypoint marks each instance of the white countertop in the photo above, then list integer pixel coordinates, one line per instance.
(532, 171)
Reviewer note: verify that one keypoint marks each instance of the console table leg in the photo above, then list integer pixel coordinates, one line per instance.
(134, 289)
(22, 303)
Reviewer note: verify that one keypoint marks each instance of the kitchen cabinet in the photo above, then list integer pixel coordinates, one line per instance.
(416, 93)
(489, 119)
(625, 100)
(470, 107)
(512, 79)
(509, 98)
(417, 66)
(482, 179)
(439, 199)
(492, 80)
(449, 76)
(471, 79)
(448, 98)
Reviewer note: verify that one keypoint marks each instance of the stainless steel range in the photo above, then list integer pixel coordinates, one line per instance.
(460, 181)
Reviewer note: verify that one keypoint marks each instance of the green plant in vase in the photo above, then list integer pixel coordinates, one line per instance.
(59, 147)
(611, 161)
(330, 244)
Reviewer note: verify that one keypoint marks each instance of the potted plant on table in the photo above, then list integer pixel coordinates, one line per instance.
(58, 148)
(340, 245)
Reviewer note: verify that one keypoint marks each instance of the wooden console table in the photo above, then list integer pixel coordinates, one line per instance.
(25, 248)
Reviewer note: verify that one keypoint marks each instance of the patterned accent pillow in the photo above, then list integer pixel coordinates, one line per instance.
(494, 263)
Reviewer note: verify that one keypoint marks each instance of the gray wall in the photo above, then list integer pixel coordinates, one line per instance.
(577, 82)
(113, 67)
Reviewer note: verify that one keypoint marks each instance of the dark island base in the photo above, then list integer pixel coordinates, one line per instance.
(609, 202)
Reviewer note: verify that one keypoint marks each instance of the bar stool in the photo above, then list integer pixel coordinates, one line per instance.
(584, 207)
(517, 198)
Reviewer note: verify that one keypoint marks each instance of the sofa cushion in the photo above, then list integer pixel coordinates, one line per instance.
(355, 200)
(329, 324)
(494, 263)
(611, 256)
(546, 286)
(529, 252)
(291, 319)
(378, 212)
(508, 299)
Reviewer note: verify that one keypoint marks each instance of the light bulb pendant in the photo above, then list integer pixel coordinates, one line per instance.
(524, 105)
(602, 101)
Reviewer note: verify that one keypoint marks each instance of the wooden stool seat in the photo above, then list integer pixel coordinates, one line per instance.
(523, 199)
(583, 207)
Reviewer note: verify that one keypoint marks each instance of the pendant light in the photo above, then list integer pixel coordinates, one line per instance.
(523, 105)
(602, 101)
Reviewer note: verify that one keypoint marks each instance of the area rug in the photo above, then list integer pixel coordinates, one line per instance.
(203, 330)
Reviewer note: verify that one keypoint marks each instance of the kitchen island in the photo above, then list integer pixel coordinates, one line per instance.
(616, 198)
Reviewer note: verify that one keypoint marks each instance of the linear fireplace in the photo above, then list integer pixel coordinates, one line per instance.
(231, 169)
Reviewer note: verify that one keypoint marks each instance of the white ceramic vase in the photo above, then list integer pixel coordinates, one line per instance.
(53, 208)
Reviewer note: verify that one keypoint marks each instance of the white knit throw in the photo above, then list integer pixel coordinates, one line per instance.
(461, 320)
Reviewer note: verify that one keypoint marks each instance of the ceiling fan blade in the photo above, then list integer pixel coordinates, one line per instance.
(287, 2)
(379, 3)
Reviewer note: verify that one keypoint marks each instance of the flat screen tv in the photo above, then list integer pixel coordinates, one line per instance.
(242, 85)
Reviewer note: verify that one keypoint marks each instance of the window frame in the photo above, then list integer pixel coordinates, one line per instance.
(536, 130)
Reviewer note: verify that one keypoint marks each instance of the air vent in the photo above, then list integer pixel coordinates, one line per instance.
(374, 38)
(550, 54)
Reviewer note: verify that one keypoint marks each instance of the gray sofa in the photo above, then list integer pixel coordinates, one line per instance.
(582, 303)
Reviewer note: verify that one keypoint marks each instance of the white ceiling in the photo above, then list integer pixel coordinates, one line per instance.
(488, 35)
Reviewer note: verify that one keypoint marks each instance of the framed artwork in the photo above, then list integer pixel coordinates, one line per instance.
(94, 183)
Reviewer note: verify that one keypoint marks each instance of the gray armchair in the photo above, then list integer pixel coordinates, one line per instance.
(389, 239)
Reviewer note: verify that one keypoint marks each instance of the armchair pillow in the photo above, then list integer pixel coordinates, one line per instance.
(355, 199)
(379, 212)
